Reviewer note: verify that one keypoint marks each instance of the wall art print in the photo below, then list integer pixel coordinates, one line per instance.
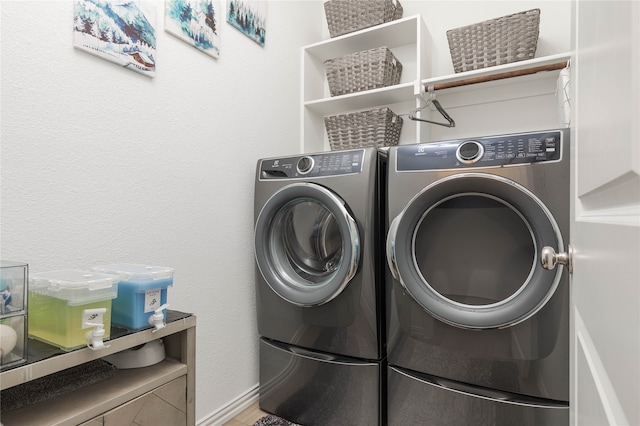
(249, 16)
(195, 22)
(120, 31)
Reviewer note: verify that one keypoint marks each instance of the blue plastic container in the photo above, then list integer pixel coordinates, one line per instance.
(142, 292)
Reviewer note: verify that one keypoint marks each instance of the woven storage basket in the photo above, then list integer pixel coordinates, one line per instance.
(497, 41)
(347, 16)
(372, 128)
(369, 69)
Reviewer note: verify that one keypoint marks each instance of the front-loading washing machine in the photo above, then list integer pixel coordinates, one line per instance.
(319, 296)
(478, 296)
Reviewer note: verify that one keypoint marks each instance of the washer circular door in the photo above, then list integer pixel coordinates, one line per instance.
(466, 248)
(307, 244)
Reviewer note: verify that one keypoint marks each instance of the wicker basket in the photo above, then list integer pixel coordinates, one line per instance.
(347, 16)
(372, 128)
(497, 41)
(366, 70)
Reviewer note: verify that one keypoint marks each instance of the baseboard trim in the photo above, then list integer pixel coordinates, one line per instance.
(232, 409)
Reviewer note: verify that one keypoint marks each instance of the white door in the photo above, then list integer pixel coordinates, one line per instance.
(605, 228)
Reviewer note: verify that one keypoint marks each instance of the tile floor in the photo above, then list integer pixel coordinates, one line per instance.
(248, 417)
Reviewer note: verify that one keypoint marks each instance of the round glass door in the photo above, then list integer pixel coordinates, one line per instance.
(493, 249)
(307, 244)
(309, 235)
(467, 250)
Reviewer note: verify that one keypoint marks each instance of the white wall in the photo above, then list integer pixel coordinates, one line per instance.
(101, 164)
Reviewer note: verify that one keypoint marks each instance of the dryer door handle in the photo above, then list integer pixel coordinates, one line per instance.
(549, 258)
(391, 247)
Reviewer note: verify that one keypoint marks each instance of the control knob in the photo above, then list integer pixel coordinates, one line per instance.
(305, 165)
(469, 152)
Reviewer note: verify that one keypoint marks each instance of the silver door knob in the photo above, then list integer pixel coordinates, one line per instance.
(550, 258)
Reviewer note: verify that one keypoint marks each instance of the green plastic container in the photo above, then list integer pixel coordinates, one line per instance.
(66, 305)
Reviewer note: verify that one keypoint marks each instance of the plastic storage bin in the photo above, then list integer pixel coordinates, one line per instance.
(71, 308)
(13, 340)
(13, 287)
(13, 312)
(142, 294)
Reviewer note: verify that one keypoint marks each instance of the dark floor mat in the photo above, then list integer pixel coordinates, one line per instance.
(272, 420)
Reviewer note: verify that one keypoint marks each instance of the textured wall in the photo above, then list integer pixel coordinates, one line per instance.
(102, 164)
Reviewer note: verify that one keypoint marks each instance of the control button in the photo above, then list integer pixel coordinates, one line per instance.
(469, 152)
(305, 165)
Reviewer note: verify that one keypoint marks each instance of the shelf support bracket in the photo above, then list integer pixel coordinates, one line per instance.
(432, 101)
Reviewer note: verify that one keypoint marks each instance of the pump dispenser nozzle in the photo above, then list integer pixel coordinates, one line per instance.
(95, 336)
(157, 319)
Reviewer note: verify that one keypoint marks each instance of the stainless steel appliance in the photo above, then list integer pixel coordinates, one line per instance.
(478, 327)
(319, 293)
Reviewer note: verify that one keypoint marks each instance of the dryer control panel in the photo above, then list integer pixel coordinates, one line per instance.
(313, 165)
(494, 151)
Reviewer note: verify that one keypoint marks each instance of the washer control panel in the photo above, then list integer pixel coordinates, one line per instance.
(469, 152)
(313, 165)
(494, 151)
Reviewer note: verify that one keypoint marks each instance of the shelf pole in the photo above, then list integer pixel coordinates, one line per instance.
(498, 76)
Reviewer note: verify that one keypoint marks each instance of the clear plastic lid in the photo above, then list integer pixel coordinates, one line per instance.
(133, 271)
(75, 286)
(72, 279)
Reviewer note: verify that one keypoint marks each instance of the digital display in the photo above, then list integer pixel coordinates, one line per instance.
(498, 151)
(324, 164)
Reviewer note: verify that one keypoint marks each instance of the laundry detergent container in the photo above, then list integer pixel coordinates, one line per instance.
(142, 294)
(71, 308)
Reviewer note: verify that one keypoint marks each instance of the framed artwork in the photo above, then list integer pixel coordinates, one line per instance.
(123, 32)
(249, 16)
(195, 22)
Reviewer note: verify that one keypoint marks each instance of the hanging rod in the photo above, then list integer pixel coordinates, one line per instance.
(498, 76)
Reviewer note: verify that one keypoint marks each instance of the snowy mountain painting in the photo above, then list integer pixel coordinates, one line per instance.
(120, 31)
(196, 22)
(249, 16)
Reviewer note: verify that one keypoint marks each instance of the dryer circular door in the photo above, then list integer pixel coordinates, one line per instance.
(307, 244)
(467, 249)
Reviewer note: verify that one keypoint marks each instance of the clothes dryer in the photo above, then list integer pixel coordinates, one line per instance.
(478, 304)
(319, 295)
